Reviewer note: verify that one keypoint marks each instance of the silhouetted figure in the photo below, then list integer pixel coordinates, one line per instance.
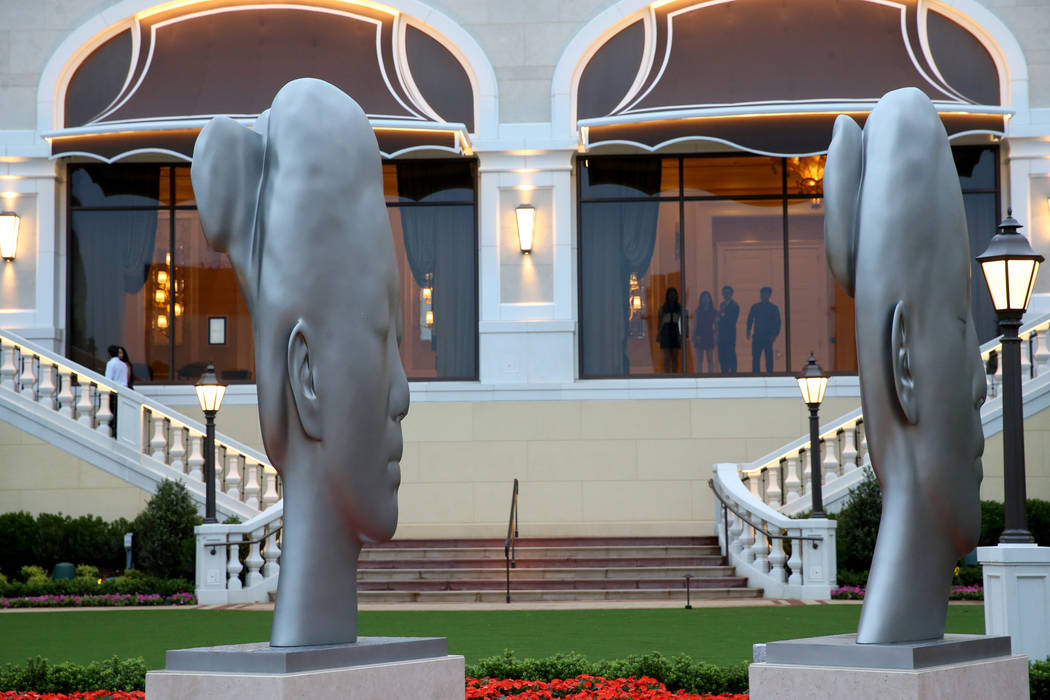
(704, 335)
(728, 313)
(670, 335)
(763, 326)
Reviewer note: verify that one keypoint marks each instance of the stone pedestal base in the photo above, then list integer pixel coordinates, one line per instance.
(1004, 677)
(957, 667)
(371, 669)
(1017, 596)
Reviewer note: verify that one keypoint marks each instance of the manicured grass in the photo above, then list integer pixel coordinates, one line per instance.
(716, 635)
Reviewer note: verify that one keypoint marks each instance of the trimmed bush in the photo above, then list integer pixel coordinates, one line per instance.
(678, 673)
(858, 526)
(39, 676)
(16, 546)
(84, 586)
(164, 540)
(1039, 680)
(50, 538)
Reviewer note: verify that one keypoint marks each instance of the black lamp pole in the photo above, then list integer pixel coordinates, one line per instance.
(815, 478)
(209, 466)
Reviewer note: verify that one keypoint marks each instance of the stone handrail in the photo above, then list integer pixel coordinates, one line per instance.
(73, 392)
(221, 577)
(781, 479)
(752, 536)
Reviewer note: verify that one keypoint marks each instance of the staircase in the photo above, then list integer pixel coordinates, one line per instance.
(547, 569)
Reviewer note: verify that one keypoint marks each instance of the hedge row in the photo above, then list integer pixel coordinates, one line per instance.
(78, 586)
(679, 673)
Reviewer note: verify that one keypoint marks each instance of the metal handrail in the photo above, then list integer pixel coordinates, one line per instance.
(759, 528)
(510, 544)
(258, 540)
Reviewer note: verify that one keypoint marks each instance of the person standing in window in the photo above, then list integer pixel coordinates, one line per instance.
(763, 321)
(116, 372)
(704, 337)
(728, 313)
(122, 355)
(670, 335)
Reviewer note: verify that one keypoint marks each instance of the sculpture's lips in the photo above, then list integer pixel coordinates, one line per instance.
(978, 466)
(394, 465)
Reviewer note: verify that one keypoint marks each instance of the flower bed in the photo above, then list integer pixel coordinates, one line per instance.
(93, 601)
(93, 695)
(957, 593)
(582, 687)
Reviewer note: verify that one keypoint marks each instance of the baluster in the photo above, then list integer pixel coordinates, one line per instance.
(1026, 357)
(178, 448)
(220, 467)
(85, 406)
(8, 368)
(735, 533)
(251, 483)
(27, 380)
(866, 461)
(830, 466)
(795, 562)
(254, 560)
(269, 496)
(997, 380)
(233, 564)
(233, 474)
(65, 395)
(747, 540)
(45, 395)
(760, 550)
(158, 442)
(773, 492)
(195, 462)
(1042, 352)
(807, 469)
(777, 557)
(754, 484)
(849, 449)
(272, 553)
(791, 481)
(104, 414)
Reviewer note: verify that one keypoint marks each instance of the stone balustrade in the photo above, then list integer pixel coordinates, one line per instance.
(221, 577)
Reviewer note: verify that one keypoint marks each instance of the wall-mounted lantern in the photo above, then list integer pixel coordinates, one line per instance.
(8, 235)
(526, 216)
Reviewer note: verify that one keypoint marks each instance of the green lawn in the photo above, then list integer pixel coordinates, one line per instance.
(721, 635)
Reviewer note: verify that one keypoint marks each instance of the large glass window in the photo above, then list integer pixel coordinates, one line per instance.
(141, 273)
(704, 265)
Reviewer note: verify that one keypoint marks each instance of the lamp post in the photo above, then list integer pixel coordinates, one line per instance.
(1010, 266)
(812, 382)
(209, 394)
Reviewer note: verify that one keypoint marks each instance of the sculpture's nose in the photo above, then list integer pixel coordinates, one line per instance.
(399, 394)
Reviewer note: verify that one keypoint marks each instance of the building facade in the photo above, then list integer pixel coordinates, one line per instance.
(669, 154)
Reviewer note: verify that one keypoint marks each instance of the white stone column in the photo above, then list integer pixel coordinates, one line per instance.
(1017, 596)
(211, 564)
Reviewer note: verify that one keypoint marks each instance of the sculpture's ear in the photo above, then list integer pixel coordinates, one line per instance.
(302, 377)
(900, 359)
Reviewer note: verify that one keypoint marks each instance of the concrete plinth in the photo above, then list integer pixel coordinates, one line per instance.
(1017, 596)
(375, 668)
(958, 667)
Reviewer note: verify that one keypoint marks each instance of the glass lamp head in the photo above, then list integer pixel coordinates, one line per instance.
(8, 235)
(1010, 267)
(812, 382)
(209, 390)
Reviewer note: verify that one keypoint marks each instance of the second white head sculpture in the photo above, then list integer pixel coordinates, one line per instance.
(297, 203)
(895, 234)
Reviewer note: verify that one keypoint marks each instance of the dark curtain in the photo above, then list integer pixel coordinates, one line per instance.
(439, 241)
(616, 239)
(981, 223)
(111, 253)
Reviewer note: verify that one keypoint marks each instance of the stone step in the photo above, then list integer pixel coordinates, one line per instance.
(555, 584)
(579, 573)
(705, 540)
(526, 596)
(522, 552)
(546, 563)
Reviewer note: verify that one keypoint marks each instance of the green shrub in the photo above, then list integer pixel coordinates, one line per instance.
(992, 520)
(1039, 680)
(164, 540)
(858, 527)
(678, 673)
(16, 546)
(88, 572)
(34, 574)
(38, 676)
(85, 586)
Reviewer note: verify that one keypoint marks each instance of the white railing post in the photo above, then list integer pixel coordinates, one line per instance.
(129, 421)
(849, 449)
(818, 558)
(272, 552)
(1042, 352)
(8, 369)
(777, 558)
(196, 458)
(773, 492)
(829, 467)
(233, 475)
(233, 565)
(251, 483)
(254, 561)
(791, 481)
(795, 561)
(46, 388)
(85, 406)
(178, 448)
(158, 441)
(65, 394)
(27, 379)
(760, 549)
(807, 469)
(269, 496)
(211, 564)
(104, 413)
